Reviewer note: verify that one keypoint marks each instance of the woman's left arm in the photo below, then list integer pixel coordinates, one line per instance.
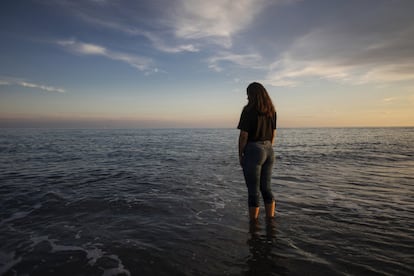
(273, 136)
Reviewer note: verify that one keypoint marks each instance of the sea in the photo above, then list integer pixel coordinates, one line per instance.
(174, 202)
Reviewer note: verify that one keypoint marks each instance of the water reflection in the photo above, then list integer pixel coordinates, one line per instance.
(262, 242)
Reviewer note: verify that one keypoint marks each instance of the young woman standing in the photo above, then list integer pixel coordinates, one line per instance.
(257, 133)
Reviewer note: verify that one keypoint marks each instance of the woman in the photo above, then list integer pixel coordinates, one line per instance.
(257, 133)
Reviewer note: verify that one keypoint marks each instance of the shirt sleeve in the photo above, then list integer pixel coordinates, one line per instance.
(244, 123)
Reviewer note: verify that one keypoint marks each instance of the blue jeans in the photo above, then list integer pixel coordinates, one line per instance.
(257, 169)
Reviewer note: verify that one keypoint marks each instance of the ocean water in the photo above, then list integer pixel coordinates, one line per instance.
(174, 202)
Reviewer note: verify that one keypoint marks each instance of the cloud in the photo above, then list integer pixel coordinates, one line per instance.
(171, 26)
(217, 20)
(242, 60)
(160, 44)
(158, 40)
(290, 71)
(138, 62)
(349, 42)
(42, 87)
(364, 50)
(389, 99)
(23, 83)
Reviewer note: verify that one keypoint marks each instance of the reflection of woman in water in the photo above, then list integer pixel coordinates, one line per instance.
(257, 132)
(263, 258)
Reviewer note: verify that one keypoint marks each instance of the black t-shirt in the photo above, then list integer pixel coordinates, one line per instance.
(260, 127)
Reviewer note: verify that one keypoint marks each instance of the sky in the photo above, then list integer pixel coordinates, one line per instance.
(187, 63)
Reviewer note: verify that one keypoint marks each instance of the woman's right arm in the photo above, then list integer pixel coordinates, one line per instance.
(244, 135)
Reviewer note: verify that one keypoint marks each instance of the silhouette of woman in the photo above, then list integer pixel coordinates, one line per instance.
(257, 133)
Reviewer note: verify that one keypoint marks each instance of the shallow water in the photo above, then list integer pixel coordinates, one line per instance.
(173, 202)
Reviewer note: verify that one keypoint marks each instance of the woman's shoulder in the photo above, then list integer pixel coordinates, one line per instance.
(249, 112)
(249, 109)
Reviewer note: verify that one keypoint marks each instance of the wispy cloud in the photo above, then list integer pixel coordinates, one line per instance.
(161, 45)
(290, 71)
(138, 62)
(389, 99)
(352, 42)
(243, 60)
(389, 73)
(23, 83)
(217, 20)
(173, 26)
(353, 57)
(158, 40)
(42, 87)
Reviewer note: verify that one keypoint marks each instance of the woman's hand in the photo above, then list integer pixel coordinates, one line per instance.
(241, 160)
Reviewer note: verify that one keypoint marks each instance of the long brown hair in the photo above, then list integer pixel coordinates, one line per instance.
(259, 99)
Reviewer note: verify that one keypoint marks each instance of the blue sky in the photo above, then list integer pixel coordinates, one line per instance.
(177, 63)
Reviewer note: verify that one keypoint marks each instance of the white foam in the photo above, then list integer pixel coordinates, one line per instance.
(58, 247)
(92, 254)
(7, 261)
(116, 270)
(55, 247)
